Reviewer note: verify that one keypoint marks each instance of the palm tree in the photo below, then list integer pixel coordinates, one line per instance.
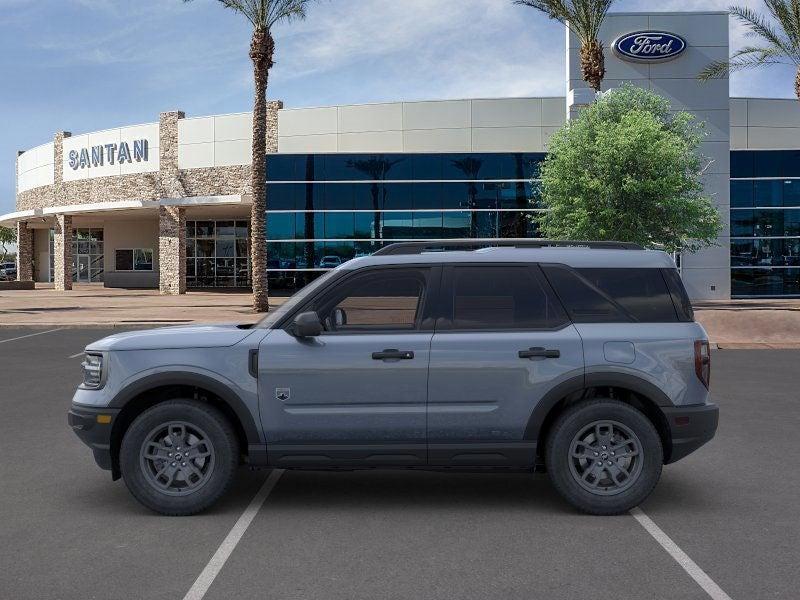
(780, 41)
(584, 19)
(262, 15)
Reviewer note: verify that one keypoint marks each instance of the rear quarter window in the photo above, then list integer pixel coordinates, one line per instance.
(641, 292)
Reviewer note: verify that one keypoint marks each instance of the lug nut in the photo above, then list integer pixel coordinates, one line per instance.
(596, 454)
(599, 463)
(170, 454)
(173, 464)
(612, 453)
(609, 463)
(184, 464)
(603, 447)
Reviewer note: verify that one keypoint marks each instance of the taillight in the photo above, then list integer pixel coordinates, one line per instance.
(702, 361)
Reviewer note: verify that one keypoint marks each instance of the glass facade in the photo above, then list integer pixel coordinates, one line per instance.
(765, 223)
(324, 209)
(217, 254)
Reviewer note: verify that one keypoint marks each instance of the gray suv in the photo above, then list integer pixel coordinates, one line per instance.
(579, 359)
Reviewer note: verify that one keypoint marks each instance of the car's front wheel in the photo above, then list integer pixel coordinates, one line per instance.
(179, 457)
(604, 456)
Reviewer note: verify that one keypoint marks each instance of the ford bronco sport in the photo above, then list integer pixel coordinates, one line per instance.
(581, 359)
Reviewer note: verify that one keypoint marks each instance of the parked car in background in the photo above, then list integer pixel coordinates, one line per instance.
(330, 262)
(8, 271)
(583, 361)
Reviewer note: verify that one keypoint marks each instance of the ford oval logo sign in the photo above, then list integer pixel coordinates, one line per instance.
(649, 46)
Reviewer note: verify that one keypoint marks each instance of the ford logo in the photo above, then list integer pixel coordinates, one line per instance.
(649, 46)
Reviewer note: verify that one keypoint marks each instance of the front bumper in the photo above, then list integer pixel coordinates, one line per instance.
(690, 427)
(94, 431)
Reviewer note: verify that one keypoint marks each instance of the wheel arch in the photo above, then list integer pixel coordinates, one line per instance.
(160, 387)
(630, 389)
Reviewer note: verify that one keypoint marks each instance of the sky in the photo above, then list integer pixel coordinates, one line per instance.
(86, 65)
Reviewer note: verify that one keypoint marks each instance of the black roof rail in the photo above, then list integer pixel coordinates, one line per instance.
(443, 246)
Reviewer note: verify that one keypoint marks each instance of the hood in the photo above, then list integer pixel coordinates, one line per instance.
(174, 338)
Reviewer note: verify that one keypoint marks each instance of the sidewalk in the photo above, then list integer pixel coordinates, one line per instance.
(91, 305)
(731, 324)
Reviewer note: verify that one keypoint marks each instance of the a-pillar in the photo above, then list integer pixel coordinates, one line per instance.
(62, 253)
(171, 250)
(24, 252)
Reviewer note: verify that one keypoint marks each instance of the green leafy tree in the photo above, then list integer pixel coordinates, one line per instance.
(628, 169)
(584, 19)
(263, 15)
(778, 40)
(8, 236)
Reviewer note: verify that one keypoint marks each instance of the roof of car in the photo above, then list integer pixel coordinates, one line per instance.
(578, 257)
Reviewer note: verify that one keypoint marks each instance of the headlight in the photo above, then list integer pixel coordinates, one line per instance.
(92, 371)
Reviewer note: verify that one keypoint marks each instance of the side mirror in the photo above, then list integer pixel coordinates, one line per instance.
(307, 324)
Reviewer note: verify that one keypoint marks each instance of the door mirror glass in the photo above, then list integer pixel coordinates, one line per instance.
(307, 324)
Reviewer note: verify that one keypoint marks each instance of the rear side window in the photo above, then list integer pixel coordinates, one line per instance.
(680, 299)
(501, 297)
(584, 301)
(641, 292)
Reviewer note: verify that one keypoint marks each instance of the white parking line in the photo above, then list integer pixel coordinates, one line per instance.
(22, 337)
(77, 354)
(694, 571)
(214, 566)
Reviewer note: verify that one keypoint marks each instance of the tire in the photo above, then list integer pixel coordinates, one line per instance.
(156, 469)
(604, 427)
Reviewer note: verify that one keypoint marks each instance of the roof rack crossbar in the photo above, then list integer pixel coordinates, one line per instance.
(420, 247)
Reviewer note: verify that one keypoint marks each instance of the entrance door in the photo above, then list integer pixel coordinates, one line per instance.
(502, 343)
(355, 394)
(83, 268)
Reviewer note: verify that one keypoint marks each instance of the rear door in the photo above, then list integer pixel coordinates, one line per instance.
(501, 343)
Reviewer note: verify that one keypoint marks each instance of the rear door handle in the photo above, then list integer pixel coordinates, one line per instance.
(392, 353)
(539, 353)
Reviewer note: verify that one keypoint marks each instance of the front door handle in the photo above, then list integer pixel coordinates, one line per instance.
(392, 353)
(539, 353)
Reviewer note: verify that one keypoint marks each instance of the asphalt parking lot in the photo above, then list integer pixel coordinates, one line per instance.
(68, 531)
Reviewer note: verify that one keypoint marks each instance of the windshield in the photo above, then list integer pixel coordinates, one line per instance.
(273, 316)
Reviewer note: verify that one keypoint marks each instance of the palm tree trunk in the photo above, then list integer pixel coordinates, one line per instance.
(261, 52)
(593, 64)
(797, 84)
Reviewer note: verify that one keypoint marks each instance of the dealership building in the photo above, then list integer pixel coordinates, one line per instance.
(167, 204)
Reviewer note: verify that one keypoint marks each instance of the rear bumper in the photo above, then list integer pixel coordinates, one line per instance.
(690, 427)
(83, 420)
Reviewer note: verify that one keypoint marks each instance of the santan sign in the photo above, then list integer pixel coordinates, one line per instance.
(97, 156)
(649, 46)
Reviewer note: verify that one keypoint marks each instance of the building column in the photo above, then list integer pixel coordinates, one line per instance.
(62, 253)
(24, 252)
(171, 250)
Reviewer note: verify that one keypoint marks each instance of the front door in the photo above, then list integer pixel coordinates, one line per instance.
(83, 268)
(502, 343)
(357, 393)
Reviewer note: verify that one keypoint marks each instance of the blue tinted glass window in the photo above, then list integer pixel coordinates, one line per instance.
(339, 196)
(464, 166)
(526, 166)
(742, 223)
(791, 192)
(344, 250)
(398, 225)
(791, 222)
(790, 165)
(768, 163)
(282, 196)
(427, 225)
(742, 164)
(396, 196)
(768, 193)
(453, 195)
(280, 226)
(426, 166)
(281, 167)
(339, 225)
(309, 225)
(366, 196)
(365, 225)
(741, 194)
(767, 222)
(456, 224)
(425, 195)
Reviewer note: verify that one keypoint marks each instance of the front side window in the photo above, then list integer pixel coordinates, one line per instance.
(390, 299)
(502, 297)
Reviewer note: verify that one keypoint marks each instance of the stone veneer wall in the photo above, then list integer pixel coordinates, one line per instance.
(172, 250)
(62, 251)
(24, 252)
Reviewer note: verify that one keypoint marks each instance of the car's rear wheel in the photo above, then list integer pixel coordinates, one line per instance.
(604, 456)
(179, 457)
